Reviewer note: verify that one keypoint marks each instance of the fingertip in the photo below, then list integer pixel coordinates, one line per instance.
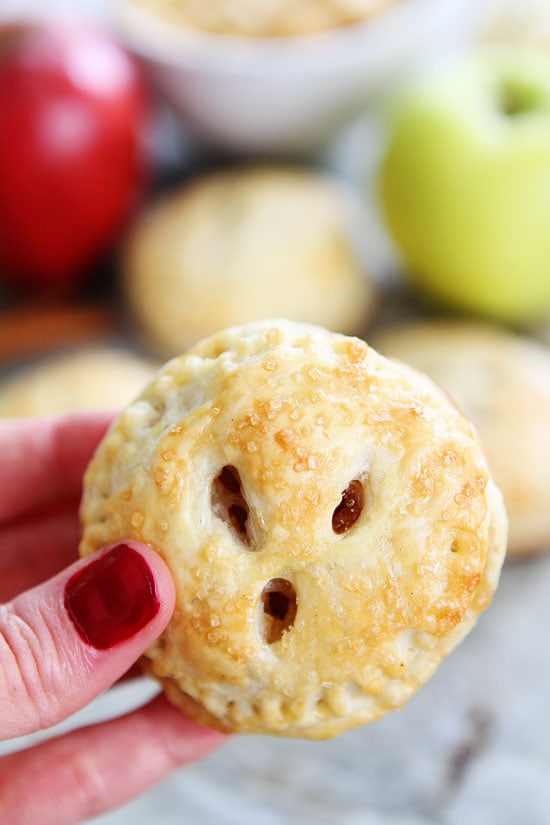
(69, 638)
(123, 592)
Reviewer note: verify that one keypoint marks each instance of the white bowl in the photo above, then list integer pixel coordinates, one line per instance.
(281, 95)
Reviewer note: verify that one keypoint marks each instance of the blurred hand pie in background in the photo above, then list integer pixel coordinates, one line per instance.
(244, 244)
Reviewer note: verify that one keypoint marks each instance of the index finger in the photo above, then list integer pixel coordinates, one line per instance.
(42, 460)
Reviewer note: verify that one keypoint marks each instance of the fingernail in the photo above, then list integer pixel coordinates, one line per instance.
(112, 598)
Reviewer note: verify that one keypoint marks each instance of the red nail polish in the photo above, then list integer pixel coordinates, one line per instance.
(112, 598)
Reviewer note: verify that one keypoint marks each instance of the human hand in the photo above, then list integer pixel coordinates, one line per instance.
(70, 629)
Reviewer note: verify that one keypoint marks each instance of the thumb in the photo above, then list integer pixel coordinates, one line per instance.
(67, 640)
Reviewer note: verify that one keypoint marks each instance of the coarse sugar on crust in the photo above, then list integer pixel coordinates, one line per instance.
(327, 515)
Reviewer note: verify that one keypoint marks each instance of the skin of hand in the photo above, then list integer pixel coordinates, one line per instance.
(71, 628)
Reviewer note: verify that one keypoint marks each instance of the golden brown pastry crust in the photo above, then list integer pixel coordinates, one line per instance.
(301, 610)
(243, 244)
(90, 378)
(501, 381)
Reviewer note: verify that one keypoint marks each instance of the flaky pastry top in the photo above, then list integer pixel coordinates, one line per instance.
(327, 515)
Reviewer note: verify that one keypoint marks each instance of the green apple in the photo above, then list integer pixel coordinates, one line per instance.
(465, 183)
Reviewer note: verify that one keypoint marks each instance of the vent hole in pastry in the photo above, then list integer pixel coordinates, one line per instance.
(280, 605)
(350, 507)
(455, 546)
(229, 503)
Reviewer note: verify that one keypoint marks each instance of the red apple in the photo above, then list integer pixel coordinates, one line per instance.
(73, 110)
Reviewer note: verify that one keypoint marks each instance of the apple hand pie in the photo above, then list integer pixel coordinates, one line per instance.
(328, 517)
